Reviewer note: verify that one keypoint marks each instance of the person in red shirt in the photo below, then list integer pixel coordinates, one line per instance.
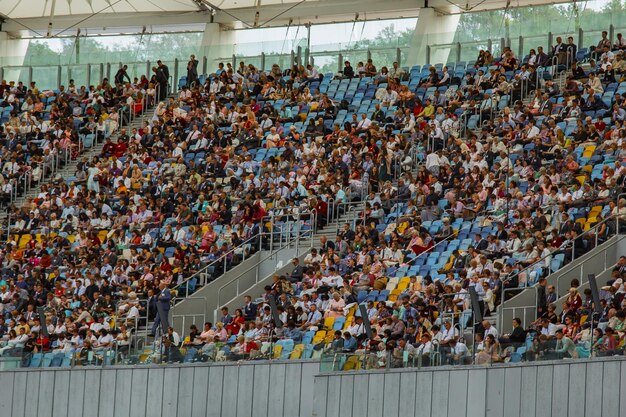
(42, 344)
(95, 240)
(46, 260)
(120, 148)
(109, 148)
(165, 265)
(238, 321)
(321, 210)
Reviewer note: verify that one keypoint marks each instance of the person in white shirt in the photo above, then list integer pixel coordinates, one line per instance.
(185, 94)
(548, 329)
(478, 161)
(273, 139)
(177, 152)
(193, 134)
(216, 86)
(312, 257)
(62, 344)
(105, 340)
(180, 235)
(426, 347)
(449, 124)
(436, 138)
(409, 125)
(448, 333)
(607, 54)
(532, 130)
(577, 194)
(364, 123)
(489, 329)
(434, 162)
(390, 97)
(459, 354)
(313, 74)
(266, 123)
(358, 328)
(173, 336)
(514, 244)
(595, 85)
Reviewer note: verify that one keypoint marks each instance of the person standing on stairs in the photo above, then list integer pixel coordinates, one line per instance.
(163, 309)
(192, 71)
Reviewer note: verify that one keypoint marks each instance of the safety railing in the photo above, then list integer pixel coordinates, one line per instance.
(222, 263)
(278, 236)
(528, 273)
(96, 72)
(446, 240)
(257, 275)
(138, 324)
(68, 356)
(59, 158)
(284, 226)
(522, 312)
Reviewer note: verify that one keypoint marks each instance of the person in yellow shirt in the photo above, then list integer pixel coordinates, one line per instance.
(429, 109)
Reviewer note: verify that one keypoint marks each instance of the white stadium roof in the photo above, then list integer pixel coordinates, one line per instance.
(37, 16)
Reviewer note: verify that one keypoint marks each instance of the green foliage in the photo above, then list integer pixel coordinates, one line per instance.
(383, 49)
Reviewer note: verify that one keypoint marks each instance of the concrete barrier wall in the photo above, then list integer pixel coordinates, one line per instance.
(544, 389)
(591, 388)
(252, 389)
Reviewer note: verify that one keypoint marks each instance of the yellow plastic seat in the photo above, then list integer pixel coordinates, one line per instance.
(278, 349)
(319, 336)
(581, 179)
(349, 322)
(102, 235)
(352, 363)
(351, 311)
(328, 322)
(23, 242)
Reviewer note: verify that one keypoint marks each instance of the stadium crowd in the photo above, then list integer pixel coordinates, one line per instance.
(503, 194)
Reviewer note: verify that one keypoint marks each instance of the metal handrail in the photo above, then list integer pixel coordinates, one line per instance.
(254, 267)
(531, 267)
(203, 272)
(564, 273)
(554, 65)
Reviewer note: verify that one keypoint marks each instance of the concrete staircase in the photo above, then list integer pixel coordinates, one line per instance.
(524, 303)
(65, 171)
